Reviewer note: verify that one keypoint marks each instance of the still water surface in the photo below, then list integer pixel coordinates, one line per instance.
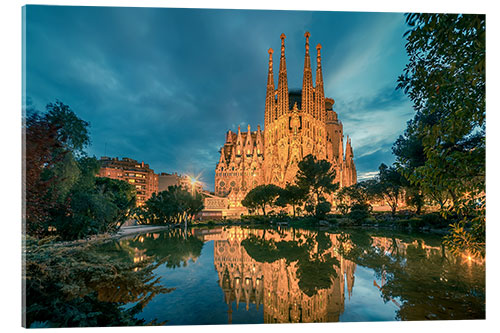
(244, 275)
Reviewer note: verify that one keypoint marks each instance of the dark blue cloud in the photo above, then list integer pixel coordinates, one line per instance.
(164, 85)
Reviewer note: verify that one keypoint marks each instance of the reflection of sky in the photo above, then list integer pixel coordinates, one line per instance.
(164, 85)
(366, 302)
(198, 299)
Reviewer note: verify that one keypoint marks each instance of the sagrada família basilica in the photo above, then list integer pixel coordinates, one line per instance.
(296, 124)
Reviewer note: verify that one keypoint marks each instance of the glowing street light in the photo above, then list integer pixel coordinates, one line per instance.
(193, 181)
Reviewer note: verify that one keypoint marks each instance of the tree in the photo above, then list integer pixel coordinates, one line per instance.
(39, 149)
(353, 200)
(415, 197)
(261, 196)
(92, 205)
(194, 205)
(445, 79)
(389, 186)
(52, 141)
(63, 195)
(409, 152)
(72, 131)
(174, 205)
(317, 177)
(292, 195)
(358, 193)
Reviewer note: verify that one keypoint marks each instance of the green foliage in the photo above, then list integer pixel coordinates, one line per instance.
(322, 208)
(343, 208)
(359, 212)
(292, 195)
(468, 234)
(388, 186)
(45, 158)
(435, 220)
(63, 195)
(358, 193)
(353, 201)
(261, 196)
(445, 79)
(76, 286)
(95, 205)
(317, 178)
(415, 197)
(171, 206)
(257, 219)
(72, 131)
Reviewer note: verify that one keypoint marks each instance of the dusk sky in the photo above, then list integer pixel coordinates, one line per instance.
(164, 85)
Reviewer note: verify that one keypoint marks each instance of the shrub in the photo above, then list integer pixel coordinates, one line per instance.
(76, 286)
(257, 219)
(359, 212)
(434, 220)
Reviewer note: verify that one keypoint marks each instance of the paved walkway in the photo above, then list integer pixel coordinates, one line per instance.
(126, 231)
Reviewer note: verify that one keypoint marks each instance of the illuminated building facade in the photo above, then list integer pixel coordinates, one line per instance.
(167, 179)
(138, 174)
(296, 124)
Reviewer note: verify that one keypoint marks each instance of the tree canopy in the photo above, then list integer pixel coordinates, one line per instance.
(389, 186)
(292, 195)
(63, 195)
(443, 148)
(174, 205)
(317, 177)
(261, 196)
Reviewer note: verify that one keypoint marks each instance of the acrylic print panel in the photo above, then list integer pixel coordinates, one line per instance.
(208, 166)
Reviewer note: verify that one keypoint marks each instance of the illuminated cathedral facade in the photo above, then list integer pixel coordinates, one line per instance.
(296, 124)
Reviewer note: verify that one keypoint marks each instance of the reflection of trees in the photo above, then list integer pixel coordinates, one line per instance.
(428, 282)
(315, 266)
(79, 285)
(172, 247)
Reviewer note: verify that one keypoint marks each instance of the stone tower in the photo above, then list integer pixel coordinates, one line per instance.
(296, 124)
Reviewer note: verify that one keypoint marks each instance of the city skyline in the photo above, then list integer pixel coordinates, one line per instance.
(163, 85)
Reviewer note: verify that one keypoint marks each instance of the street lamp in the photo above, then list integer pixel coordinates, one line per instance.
(193, 184)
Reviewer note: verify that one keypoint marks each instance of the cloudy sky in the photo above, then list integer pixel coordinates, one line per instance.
(164, 85)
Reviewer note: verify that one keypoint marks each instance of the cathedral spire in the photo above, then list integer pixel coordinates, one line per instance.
(270, 100)
(248, 142)
(258, 141)
(282, 82)
(348, 149)
(229, 137)
(307, 84)
(222, 156)
(319, 103)
(239, 142)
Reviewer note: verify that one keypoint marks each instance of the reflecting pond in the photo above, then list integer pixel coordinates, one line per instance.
(247, 275)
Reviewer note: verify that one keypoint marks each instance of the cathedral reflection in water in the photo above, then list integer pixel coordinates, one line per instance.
(275, 286)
